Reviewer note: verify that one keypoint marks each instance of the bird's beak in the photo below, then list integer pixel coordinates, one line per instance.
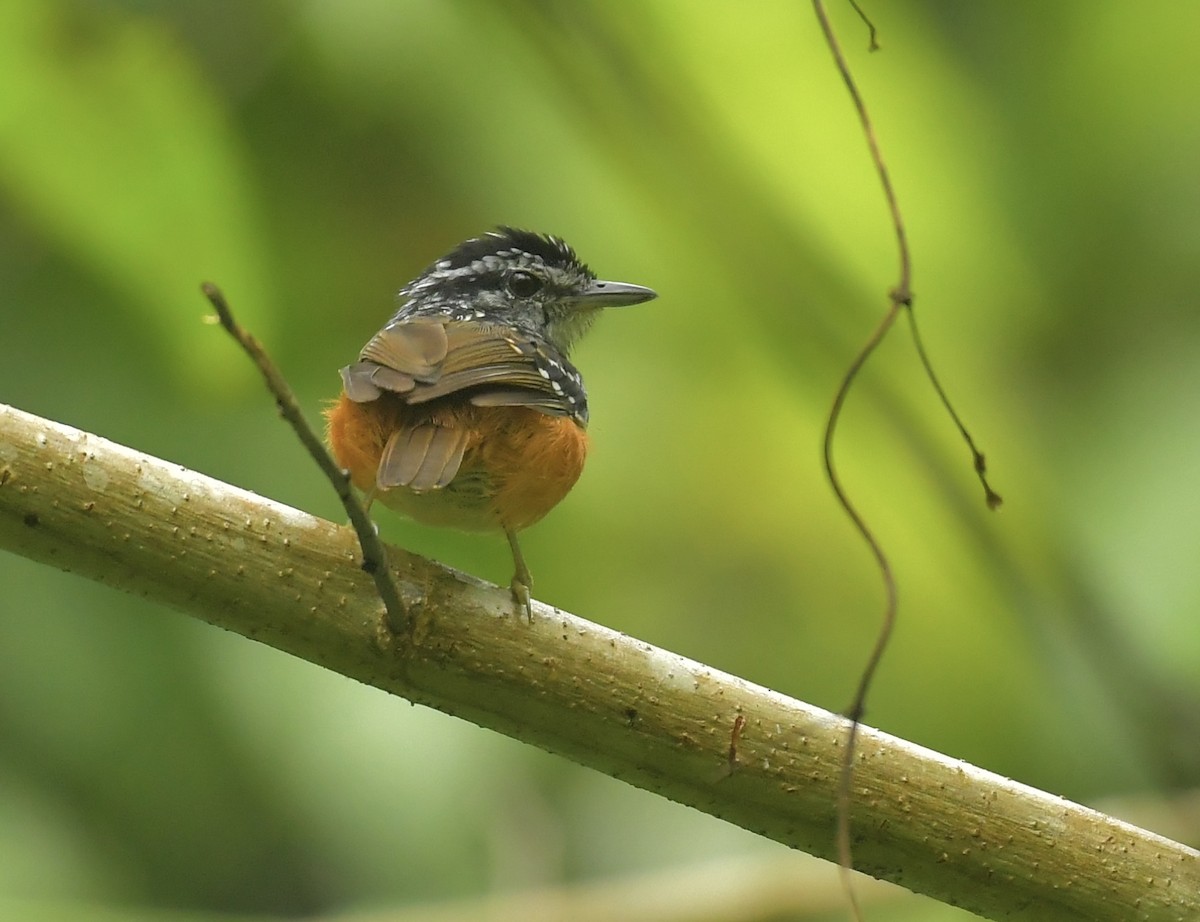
(612, 294)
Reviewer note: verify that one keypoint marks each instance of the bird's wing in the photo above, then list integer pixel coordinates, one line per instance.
(396, 359)
(426, 358)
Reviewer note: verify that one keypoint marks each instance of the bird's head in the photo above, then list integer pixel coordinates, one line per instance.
(518, 278)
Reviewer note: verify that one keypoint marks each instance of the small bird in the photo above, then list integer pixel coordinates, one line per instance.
(465, 410)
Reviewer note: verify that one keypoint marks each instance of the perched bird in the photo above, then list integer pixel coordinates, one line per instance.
(465, 410)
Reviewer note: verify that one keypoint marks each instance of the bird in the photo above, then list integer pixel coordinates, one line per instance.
(464, 410)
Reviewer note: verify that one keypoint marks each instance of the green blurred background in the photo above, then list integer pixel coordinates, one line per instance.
(312, 157)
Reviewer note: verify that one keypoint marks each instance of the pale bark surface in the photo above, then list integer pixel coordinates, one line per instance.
(659, 721)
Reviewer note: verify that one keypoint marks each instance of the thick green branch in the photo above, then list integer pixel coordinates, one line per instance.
(659, 721)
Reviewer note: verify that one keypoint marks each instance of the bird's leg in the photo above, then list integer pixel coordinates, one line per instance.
(522, 582)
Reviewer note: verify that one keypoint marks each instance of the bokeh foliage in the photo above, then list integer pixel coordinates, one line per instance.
(311, 157)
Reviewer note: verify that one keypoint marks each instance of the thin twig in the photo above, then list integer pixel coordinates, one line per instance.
(900, 297)
(901, 294)
(991, 497)
(374, 556)
(873, 41)
(858, 704)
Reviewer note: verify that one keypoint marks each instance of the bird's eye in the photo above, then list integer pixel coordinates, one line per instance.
(523, 285)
